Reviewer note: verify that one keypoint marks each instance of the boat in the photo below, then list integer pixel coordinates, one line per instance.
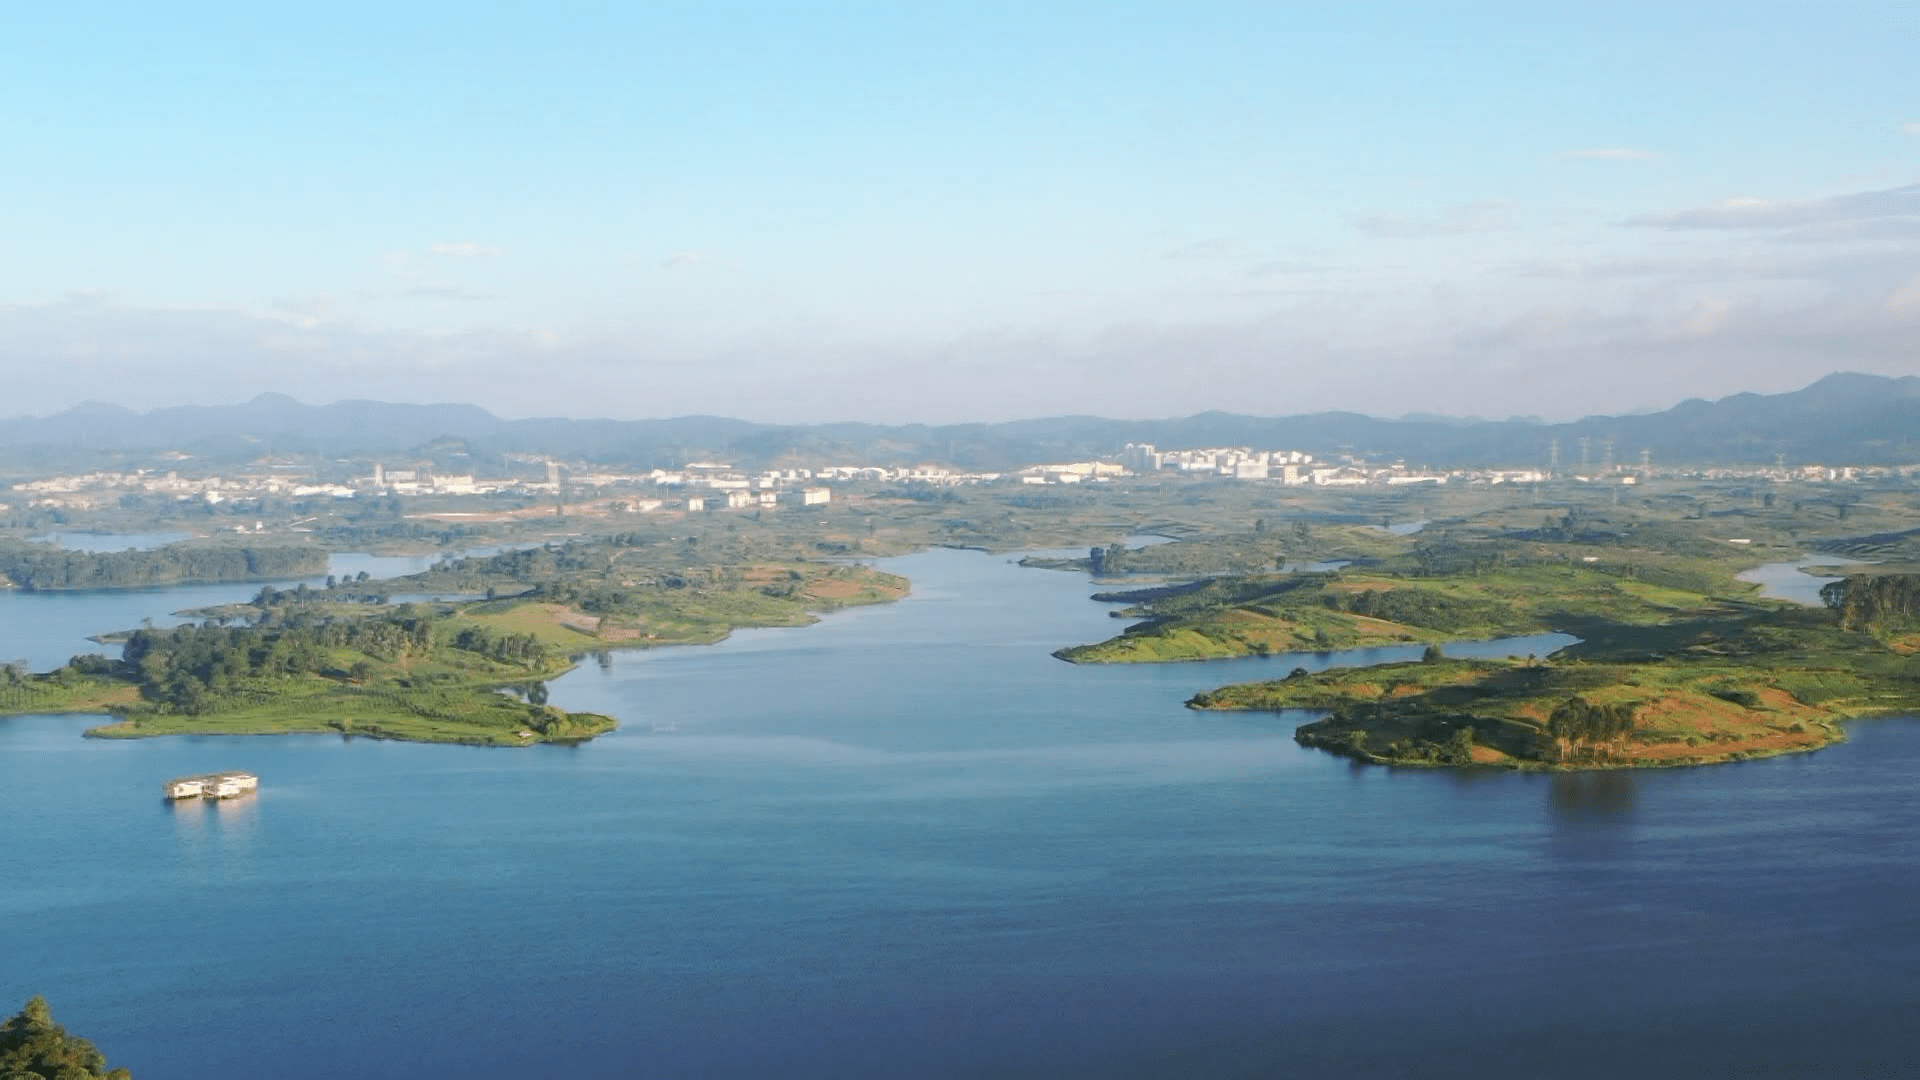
(224, 785)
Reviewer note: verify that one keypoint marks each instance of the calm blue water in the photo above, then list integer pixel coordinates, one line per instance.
(46, 628)
(906, 842)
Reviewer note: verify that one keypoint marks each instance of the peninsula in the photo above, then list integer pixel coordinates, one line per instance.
(459, 671)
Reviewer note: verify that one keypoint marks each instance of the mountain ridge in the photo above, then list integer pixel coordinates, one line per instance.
(1843, 418)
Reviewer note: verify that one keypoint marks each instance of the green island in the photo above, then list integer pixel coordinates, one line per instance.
(1717, 680)
(1528, 592)
(1679, 661)
(342, 659)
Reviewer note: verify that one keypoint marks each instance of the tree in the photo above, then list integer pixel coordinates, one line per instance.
(33, 1047)
(1432, 655)
(1459, 749)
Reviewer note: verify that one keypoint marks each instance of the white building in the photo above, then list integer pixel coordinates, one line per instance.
(1140, 457)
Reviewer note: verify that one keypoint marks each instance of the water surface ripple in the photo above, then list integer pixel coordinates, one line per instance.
(908, 842)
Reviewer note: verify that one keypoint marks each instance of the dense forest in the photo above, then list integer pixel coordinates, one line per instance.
(33, 1047)
(190, 668)
(46, 567)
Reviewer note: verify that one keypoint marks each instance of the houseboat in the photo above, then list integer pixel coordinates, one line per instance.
(226, 785)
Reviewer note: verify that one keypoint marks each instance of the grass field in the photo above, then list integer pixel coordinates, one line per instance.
(1718, 686)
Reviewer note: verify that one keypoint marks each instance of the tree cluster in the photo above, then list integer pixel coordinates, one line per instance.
(186, 667)
(33, 1047)
(506, 648)
(1875, 602)
(42, 566)
(1579, 720)
(1420, 607)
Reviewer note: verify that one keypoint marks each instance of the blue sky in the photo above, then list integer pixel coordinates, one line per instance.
(954, 212)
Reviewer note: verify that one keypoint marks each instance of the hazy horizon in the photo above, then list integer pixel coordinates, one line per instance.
(901, 422)
(957, 213)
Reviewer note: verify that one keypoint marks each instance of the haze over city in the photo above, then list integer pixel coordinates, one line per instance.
(956, 212)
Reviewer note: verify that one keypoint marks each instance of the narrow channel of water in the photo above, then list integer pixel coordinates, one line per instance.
(1785, 581)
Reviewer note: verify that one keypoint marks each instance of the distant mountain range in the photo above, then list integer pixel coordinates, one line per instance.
(1843, 418)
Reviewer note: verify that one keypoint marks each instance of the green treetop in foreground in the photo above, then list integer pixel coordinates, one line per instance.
(33, 1047)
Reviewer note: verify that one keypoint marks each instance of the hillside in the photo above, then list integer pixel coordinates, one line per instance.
(1851, 418)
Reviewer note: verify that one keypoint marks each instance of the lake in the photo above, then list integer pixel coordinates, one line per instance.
(908, 842)
(44, 629)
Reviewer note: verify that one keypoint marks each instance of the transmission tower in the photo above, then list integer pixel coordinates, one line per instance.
(1553, 456)
(1586, 459)
(1606, 454)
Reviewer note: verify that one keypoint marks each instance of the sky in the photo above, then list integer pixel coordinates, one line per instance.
(931, 212)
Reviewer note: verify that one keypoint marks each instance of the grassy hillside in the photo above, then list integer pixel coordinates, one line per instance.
(1265, 614)
(1725, 681)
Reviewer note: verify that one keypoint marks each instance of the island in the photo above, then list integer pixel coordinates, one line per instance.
(473, 671)
(1719, 680)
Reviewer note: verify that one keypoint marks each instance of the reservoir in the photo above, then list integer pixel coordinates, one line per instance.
(908, 842)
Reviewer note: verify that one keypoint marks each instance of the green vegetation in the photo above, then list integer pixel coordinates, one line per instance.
(408, 673)
(44, 566)
(1261, 550)
(613, 594)
(83, 685)
(33, 1047)
(1723, 680)
(1264, 614)
(1632, 570)
(318, 660)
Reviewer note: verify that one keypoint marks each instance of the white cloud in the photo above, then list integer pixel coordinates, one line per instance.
(1911, 127)
(1774, 264)
(1780, 213)
(1905, 300)
(683, 258)
(1871, 230)
(1617, 153)
(465, 249)
(1484, 216)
